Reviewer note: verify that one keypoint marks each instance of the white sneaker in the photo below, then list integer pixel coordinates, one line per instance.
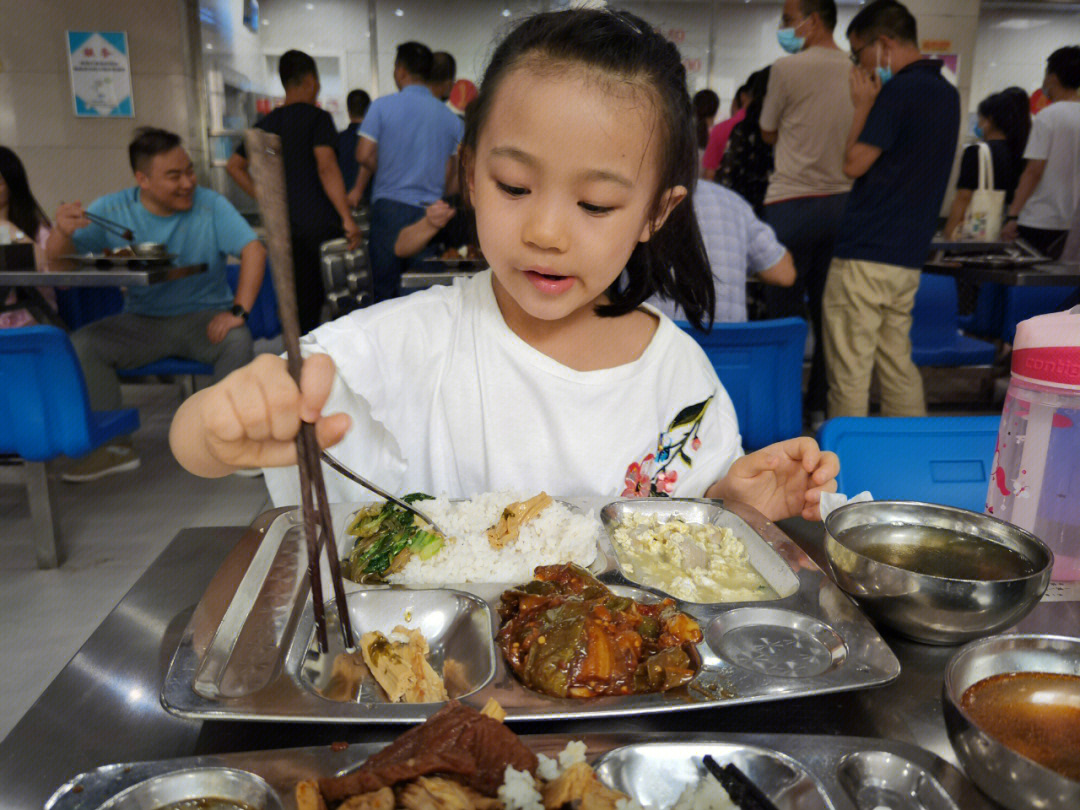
(106, 460)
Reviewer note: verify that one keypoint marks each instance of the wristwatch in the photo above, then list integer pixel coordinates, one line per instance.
(239, 311)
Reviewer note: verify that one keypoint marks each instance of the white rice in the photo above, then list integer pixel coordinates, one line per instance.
(518, 790)
(707, 794)
(556, 535)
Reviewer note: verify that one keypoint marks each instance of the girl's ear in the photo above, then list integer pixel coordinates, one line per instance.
(671, 198)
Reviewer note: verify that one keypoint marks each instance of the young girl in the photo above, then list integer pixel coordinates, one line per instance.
(24, 221)
(544, 372)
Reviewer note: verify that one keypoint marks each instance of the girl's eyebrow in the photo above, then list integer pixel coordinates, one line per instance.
(514, 153)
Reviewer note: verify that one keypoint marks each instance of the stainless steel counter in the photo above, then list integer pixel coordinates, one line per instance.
(104, 707)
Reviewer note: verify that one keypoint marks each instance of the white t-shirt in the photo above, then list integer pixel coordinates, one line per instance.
(446, 399)
(1055, 138)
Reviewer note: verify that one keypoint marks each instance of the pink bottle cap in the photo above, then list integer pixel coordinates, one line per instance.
(1047, 350)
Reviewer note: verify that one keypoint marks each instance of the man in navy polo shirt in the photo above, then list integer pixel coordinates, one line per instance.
(900, 151)
(409, 142)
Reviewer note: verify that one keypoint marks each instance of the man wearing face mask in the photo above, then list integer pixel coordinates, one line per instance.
(900, 152)
(807, 115)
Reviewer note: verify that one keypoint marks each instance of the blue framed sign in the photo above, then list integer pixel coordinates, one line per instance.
(100, 74)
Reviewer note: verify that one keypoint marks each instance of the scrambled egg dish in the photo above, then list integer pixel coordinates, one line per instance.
(694, 562)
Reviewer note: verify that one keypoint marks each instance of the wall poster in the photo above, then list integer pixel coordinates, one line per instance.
(100, 73)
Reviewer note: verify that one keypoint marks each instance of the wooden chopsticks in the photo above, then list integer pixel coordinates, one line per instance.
(268, 172)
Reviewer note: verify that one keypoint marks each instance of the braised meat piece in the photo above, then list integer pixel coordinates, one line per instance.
(566, 635)
(456, 741)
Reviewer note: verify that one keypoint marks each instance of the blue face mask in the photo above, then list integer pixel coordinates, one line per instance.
(788, 41)
(884, 73)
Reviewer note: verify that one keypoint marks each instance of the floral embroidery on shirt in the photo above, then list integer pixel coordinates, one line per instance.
(653, 475)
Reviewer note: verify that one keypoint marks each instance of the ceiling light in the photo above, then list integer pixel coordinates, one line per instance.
(209, 46)
(309, 6)
(506, 12)
(399, 13)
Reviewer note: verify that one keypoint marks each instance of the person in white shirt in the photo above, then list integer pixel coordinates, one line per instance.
(544, 372)
(1048, 193)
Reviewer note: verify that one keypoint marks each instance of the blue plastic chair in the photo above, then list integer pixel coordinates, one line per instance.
(936, 459)
(262, 322)
(760, 365)
(935, 328)
(45, 413)
(1022, 303)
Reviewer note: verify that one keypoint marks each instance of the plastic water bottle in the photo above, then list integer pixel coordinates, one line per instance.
(1035, 479)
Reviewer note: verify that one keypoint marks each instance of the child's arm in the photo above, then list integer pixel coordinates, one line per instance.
(251, 418)
(782, 480)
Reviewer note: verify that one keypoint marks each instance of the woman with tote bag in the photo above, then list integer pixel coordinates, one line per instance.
(988, 171)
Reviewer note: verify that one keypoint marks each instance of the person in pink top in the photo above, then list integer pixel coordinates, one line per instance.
(24, 221)
(718, 138)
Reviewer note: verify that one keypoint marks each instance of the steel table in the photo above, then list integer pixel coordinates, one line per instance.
(26, 282)
(1043, 274)
(103, 707)
(413, 280)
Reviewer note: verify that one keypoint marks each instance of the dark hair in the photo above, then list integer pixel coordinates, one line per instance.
(884, 18)
(1019, 98)
(825, 9)
(1065, 64)
(294, 66)
(416, 58)
(706, 103)
(1003, 112)
(23, 209)
(148, 142)
(357, 102)
(443, 67)
(757, 85)
(672, 263)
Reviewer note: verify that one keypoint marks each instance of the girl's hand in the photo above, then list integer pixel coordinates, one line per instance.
(782, 480)
(251, 418)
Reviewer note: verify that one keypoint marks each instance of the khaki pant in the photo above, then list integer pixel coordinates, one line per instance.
(866, 312)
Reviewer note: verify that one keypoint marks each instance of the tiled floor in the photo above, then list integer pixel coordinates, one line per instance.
(111, 529)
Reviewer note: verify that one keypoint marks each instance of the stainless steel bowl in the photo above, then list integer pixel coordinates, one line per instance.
(150, 250)
(928, 608)
(230, 784)
(1013, 780)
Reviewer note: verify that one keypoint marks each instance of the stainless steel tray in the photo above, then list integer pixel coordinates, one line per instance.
(249, 653)
(101, 260)
(798, 772)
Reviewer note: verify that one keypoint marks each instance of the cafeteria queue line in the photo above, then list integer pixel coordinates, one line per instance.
(577, 166)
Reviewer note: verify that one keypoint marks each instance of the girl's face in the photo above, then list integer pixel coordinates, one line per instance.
(563, 182)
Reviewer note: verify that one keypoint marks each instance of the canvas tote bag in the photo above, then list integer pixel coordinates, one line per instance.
(982, 220)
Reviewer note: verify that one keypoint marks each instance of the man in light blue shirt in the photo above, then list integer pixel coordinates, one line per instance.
(737, 244)
(198, 318)
(408, 141)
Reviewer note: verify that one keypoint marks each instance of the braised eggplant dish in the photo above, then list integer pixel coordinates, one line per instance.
(567, 635)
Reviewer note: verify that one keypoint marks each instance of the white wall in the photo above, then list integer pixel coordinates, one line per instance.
(70, 158)
(1013, 44)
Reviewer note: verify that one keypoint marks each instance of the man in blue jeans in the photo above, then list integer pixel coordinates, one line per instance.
(807, 115)
(409, 142)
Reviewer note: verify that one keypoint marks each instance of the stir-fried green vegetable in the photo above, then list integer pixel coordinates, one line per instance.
(386, 536)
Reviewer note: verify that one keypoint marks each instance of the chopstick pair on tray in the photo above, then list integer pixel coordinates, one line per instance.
(745, 794)
(268, 172)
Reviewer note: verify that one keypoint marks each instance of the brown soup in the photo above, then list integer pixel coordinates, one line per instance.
(1036, 714)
